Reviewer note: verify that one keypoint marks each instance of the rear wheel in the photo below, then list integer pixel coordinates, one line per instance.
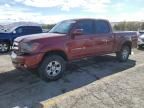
(124, 53)
(52, 68)
(4, 47)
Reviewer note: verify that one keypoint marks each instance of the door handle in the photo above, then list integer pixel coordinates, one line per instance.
(104, 40)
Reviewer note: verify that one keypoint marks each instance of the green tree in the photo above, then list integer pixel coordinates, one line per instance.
(127, 26)
(47, 26)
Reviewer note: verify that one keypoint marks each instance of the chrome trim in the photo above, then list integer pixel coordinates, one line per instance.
(15, 46)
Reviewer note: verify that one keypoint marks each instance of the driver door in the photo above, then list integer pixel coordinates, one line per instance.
(82, 45)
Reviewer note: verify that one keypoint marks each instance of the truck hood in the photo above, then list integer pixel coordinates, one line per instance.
(37, 36)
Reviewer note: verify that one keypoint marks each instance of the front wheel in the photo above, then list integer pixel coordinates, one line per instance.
(4, 47)
(52, 68)
(124, 53)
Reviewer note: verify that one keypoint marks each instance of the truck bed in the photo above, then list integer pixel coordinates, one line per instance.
(130, 35)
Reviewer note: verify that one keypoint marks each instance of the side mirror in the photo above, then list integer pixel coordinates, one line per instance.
(77, 32)
(14, 32)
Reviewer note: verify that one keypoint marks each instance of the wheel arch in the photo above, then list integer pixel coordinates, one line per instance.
(57, 52)
(8, 45)
(129, 44)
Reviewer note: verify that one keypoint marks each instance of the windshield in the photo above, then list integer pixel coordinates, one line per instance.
(62, 27)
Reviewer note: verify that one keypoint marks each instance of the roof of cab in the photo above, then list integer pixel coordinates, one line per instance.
(78, 19)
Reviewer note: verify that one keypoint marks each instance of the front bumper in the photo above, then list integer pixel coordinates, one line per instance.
(26, 61)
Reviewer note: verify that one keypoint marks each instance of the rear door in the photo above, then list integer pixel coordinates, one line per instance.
(104, 39)
(83, 45)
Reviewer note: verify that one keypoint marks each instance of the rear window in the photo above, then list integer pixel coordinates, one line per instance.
(101, 27)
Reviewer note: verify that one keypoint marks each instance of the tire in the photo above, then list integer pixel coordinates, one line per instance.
(124, 53)
(4, 47)
(52, 68)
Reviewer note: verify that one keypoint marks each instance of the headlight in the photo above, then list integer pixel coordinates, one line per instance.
(28, 47)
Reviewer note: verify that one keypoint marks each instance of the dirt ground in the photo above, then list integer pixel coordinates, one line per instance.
(22, 89)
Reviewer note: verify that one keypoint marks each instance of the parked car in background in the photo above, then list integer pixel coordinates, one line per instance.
(11, 31)
(68, 41)
(141, 41)
(141, 32)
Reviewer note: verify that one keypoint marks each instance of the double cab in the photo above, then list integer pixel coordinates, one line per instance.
(67, 41)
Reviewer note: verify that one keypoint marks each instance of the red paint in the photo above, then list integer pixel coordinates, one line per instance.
(74, 47)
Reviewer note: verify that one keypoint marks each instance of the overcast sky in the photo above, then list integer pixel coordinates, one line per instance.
(52, 11)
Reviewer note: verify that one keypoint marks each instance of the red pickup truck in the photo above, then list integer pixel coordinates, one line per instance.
(67, 41)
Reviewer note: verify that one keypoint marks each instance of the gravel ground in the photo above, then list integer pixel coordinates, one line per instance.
(21, 89)
(123, 90)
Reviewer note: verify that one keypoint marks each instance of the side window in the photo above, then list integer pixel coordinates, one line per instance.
(22, 30)
(27, 30)
(86, 25)
(101, 27)
(32, 30)
(19, 30)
